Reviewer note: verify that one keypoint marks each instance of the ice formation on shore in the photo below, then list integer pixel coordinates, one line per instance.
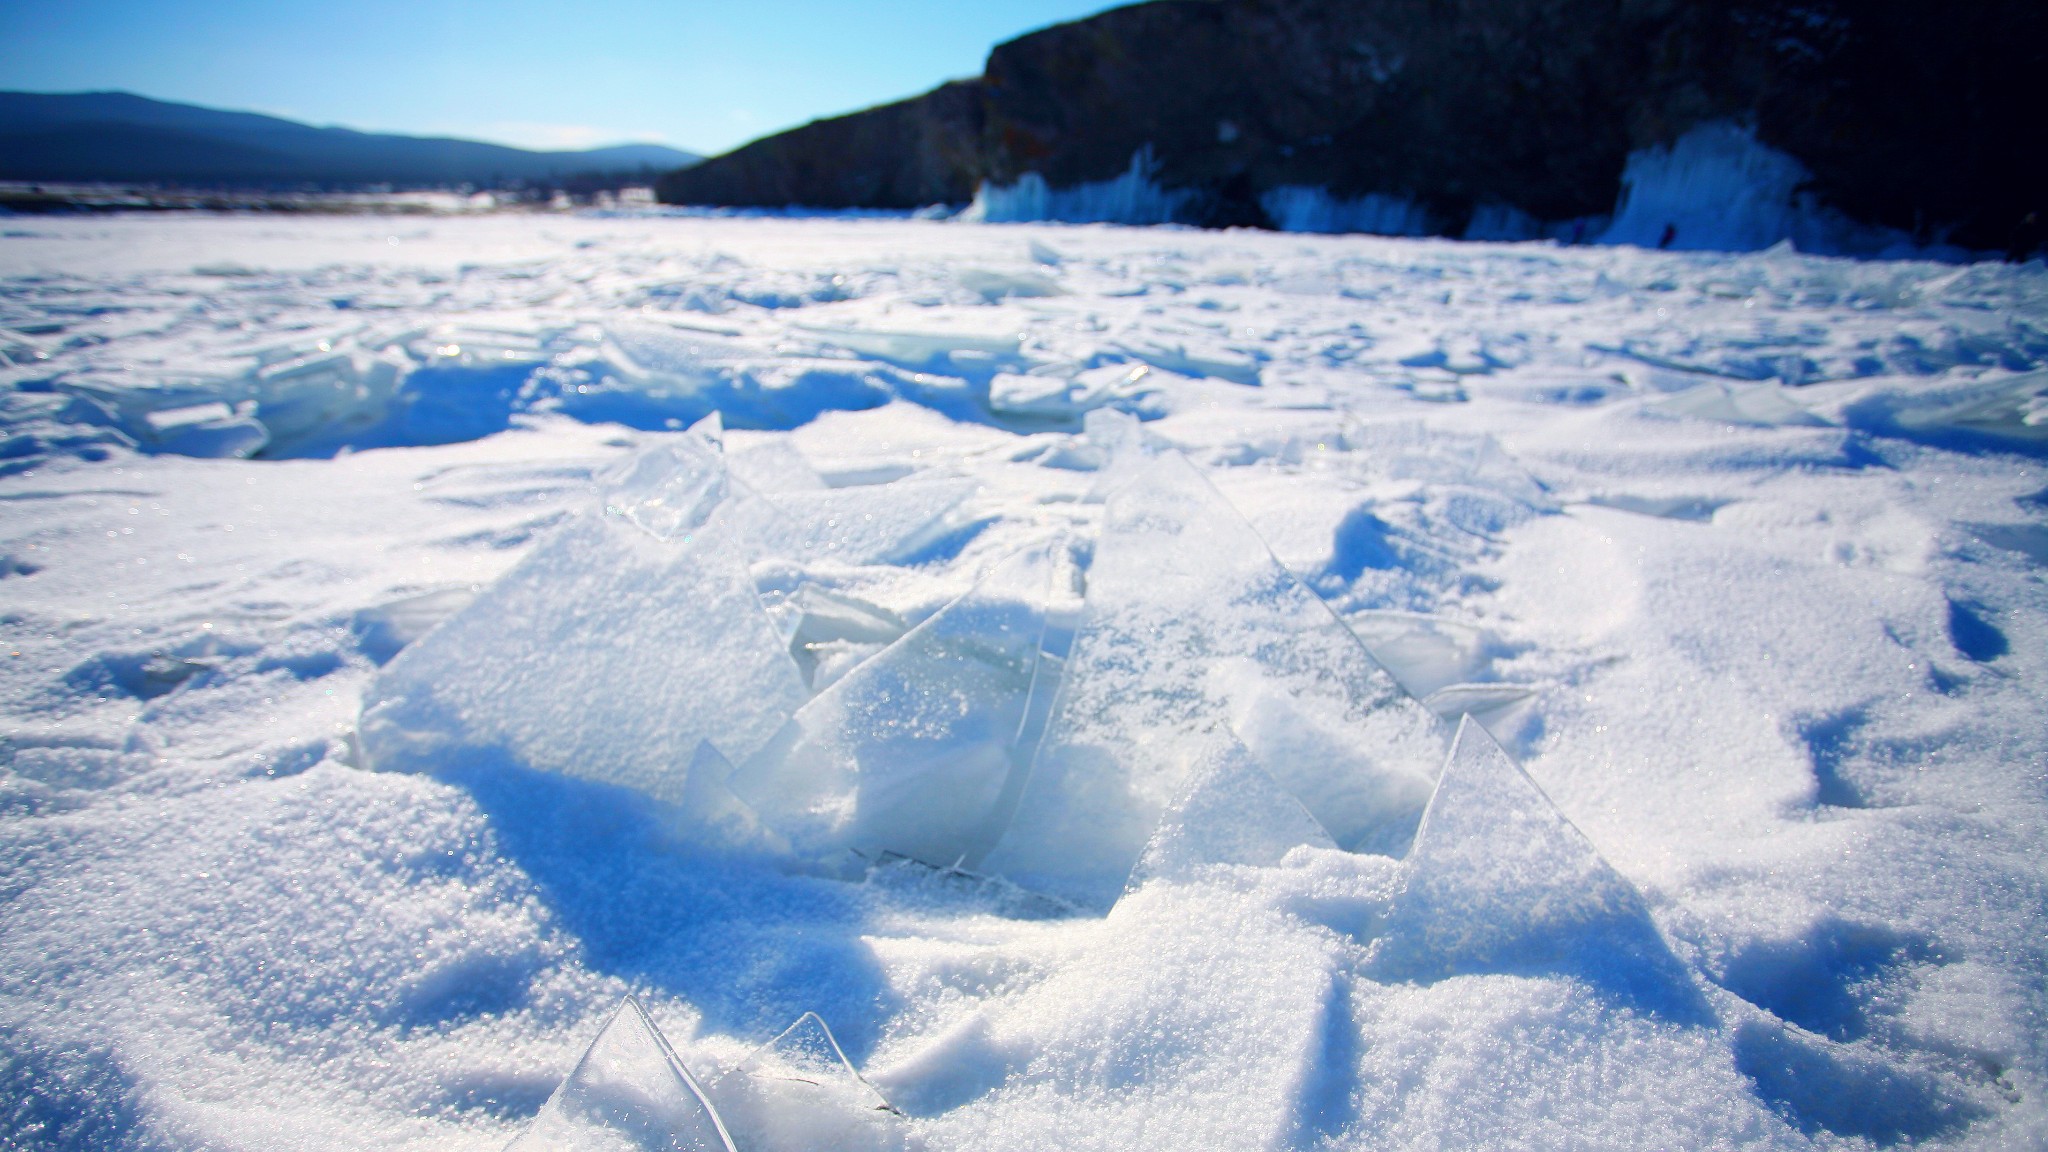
(1042, 668)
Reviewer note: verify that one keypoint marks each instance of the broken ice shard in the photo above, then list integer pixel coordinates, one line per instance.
(1499, 881)
(909, 752)
(1229, 812)
(710, 814)
(800, 1092)
(807, 1052)
(628, 1093)
(607, 654)
(871, 524)
(1192, 628)
(670, 488)
(773, 466)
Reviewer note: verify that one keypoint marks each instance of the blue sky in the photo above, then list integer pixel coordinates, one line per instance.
(698, 74)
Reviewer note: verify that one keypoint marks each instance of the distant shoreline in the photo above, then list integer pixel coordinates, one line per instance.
(36, 198)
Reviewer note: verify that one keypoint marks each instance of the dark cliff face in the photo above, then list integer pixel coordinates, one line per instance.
(908, 154)
(1451, 104)
(1909, 113)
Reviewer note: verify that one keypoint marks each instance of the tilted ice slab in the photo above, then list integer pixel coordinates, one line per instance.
(1764, 405)
(869, 524)
(628, 1093)
(1229, 812)
(909, 752)
(2009, 411)
(608, 653)
(1499, 881)
(1192, 629)
(1069, 394)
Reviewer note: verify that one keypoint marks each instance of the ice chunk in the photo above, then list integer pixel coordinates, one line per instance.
(879, 523)
(1196, 358)
(210, 430)
(1192, 627)
(993, 284)
(1229, 812)
(806, 1052)
(1765, 405)
(2014, 408)
(1132, 198)
(1067, 396)
(670, 488)
(800, 1092)
(385, 629)
(1490, 701)
(628, 1093)
(1499, 881)
(712, 814)
(909, 752)
(774, 466)
(644, 373)
(945, 344)
(1424, 653)
(1716, 187)
(831, 632)
(608, 654)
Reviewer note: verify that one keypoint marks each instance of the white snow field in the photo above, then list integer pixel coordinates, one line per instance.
(773, 684)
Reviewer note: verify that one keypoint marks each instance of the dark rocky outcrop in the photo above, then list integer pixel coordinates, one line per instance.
(908, 154)
(1909, 113)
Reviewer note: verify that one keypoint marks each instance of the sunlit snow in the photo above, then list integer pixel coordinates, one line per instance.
(650, 682)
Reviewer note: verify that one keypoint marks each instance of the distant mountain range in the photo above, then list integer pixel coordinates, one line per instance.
(119, 137)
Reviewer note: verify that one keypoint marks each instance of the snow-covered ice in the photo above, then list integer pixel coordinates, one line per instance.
(898, 684)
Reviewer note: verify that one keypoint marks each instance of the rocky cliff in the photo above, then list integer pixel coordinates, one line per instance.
(1906, 113)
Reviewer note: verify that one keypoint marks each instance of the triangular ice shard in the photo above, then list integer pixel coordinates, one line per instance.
(1229, 812)
(711, 427)
(1499, 881)
(628, 1093)
(800, 1092)
(1191, 629)
(607, 653)
(909, 752)
(806, 1052)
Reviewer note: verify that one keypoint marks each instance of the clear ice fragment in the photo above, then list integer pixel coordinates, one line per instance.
(806, 1052)
(878, 523)
(774, 466)
(1499, 881)
(1765, 405)
(1193, 629)
(670, 488)
(607, 654)
(1071, 395)
(628, 1093)
(909, 752)
(1229, 812)
(713, 815)
(800, 1092)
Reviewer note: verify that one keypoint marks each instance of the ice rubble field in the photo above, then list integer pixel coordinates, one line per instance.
(1070, 664)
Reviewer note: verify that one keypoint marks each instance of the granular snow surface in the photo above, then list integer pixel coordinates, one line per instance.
(614, 682)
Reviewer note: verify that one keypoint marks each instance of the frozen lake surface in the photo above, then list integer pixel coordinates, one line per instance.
(1139, 688)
